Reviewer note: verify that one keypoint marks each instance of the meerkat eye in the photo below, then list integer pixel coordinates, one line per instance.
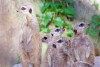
(75, 31)
(30, 10)
(81, 25)
(23, 8)
(52, 34)
(54, 45)
(45, 38)
(57, 30)
(60, 41)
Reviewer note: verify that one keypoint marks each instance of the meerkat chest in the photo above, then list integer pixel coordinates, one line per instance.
(27, 41)
(79, 41)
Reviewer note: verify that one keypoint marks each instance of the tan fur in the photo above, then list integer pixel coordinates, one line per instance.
(30, 44)
(54, 56)
(83, 48)
(53, 35)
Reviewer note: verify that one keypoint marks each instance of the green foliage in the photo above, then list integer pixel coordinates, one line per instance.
(54, 12)
(96, 5)
(70, 1)
(59, 22)
(47, 17)
(70, 33)
(70, 12)
(94, 29)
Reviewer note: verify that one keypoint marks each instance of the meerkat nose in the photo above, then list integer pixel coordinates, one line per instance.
(54, 45)
(17, 10)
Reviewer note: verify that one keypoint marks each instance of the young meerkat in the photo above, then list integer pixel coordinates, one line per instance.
(54, 56)
(30, 45)
(82, 46)
(53, 35)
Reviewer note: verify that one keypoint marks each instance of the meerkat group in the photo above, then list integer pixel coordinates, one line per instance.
(63, 52)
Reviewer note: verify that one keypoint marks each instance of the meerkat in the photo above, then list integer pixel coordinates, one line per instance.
(30, 44)
(54, 56)
(82, 46)
(53, 35)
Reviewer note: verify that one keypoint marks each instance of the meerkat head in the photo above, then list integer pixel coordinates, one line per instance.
(26, 9)
(53, 34)
(79, 28)
(59, 43)
(60, 46)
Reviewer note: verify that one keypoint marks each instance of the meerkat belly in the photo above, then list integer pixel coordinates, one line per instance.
(80, 48)
(27, 41)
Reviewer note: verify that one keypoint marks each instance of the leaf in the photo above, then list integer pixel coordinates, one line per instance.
(47, 18)
(46, 5)
(69, 26)
(92, 32)
(59, 22)
(70, 1)
(69, 11)
(70, 33)
(95, 18)
(46, 30)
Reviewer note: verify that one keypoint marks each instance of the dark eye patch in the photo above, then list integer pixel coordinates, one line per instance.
(45, 38)
(23, 8)
(52, 34)
(81, 25)
(57, 30)
(54, 45)
(30, 10)
(60, 41)
(75, 31)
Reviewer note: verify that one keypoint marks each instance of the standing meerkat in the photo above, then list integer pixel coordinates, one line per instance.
(54, 56)
(30, 44)
(83, 48)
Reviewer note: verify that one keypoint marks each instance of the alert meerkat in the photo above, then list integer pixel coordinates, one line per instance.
(30, 45)
(54, 56)
(83, 48)
(53, 35)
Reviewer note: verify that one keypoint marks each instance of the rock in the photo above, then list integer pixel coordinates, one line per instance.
(20, 65)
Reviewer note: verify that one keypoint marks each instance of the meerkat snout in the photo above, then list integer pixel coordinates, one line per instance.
(75, 31)
(54, 45)
(44, 39)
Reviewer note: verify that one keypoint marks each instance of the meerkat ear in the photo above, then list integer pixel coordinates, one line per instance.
(30, 10)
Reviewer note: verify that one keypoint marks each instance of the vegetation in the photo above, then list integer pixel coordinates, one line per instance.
(54, 12)
(94, 29)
